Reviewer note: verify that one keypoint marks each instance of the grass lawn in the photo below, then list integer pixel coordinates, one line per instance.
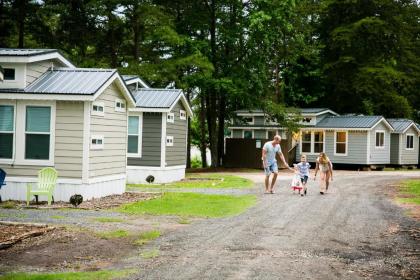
(411, 192)
(147, 236)
(119, 233)
(215, 181)
(91, 275)
(108, 220)
(192, 204)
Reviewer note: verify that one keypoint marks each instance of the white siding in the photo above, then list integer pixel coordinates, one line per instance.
(380, 155)
(409, 156)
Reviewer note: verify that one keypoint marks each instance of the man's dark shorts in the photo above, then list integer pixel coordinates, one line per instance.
(304, 179)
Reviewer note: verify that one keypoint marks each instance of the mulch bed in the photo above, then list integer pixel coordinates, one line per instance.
(12, 233)
(106, 202)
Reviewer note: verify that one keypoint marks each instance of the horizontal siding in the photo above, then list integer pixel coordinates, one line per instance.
(36, 69)
(236, 133)
(177, 154)
(380, 156)
(69, 139)
(258, 120)
(409, 156)
(113, 126)
(260, 134)
(395, 148)
(151, 141)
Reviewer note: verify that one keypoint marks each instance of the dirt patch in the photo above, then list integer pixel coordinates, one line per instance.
(65, 249)
(107, 202)
(412, 210)
(12, 233)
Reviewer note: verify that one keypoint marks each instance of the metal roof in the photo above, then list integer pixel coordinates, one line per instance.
(250, 111)
(348, 122)
(129, 77)
(312, 110)
(156, 97)
(400, 125)
(25, 52)
(71, 81)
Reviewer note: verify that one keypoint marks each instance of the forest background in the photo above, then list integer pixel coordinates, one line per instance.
(353, 56)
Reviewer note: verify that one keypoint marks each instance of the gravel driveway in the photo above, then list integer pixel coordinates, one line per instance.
(352, 232)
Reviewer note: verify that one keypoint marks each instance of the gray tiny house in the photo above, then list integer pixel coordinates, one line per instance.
(157, 136)
(404, 142)
(349, 140)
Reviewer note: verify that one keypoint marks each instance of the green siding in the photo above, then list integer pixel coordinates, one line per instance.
(151, 141)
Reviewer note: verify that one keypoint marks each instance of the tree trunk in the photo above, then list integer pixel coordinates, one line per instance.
(202, 120)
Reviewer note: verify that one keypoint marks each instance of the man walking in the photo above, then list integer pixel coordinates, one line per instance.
(269, 151)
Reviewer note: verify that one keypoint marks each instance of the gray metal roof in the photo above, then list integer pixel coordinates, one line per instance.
(155, 97)
(312, 110)
(129, 77)
(25, 52)
(71, 81)
(400, 125)
(348, 122)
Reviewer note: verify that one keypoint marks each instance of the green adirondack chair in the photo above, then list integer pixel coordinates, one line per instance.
(47, 178)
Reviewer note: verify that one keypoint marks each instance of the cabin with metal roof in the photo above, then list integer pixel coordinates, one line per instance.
(350, 140)
(404, 142)
(73, 119)
(157, 135)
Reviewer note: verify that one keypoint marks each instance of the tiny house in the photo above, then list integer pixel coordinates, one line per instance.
(404, 142)
(73, 119)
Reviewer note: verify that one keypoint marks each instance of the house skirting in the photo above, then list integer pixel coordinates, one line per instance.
(138, 174)
(15, 187)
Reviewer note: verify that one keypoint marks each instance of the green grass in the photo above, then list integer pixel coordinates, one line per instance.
(108, 220)
(215, 181)
(91, 275)
(119, 233)
(411, 191)
(8, 205)
(58, 217)
(147, 236)
(191, 204)
(149, 254)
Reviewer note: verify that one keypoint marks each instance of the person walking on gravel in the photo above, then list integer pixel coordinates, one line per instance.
(269, 151)
(324, 165)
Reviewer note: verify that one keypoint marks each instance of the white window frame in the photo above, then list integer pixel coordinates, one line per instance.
(252, 133)
(10, 160)
(170, 118)
(406, 138)
(171, 141)
(120, 105)
(312, 152)
(140, 136)
(96, 146)
(21, 132)
(98, 104)
(4, 76)
(182, 114)
(335, 143)
(383, 146)
(251, 122)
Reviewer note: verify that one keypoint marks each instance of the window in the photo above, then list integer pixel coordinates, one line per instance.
(380, 139)
(9, 74)
(306, 142)
(98, 109)
(170, 118)
(134, 141)
(248, 120)
(318, 142)
(271, 134)
(37, 132)
(6, 131)
(169, 140)
(248, 134)
(409, 142)
(97, 142)
(182, 115)
(119, 105)
(340, 143)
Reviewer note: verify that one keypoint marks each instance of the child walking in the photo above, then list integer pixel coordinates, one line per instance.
(324, 165)
(303, 167)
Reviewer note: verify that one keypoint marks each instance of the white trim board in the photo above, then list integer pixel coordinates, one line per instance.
(132, 167)
(163, 142)
(86, 141)
(37, 57)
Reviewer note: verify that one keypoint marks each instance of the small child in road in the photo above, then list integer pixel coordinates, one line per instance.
(303, 167)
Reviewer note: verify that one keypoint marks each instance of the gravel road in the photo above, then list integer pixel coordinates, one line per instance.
(352, 232)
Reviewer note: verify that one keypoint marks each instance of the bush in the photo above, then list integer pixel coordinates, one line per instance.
(196, 162)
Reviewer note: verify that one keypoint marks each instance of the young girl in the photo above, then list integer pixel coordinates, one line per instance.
(303, 167)
(324, 165)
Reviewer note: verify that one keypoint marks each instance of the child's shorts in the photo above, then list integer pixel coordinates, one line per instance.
(271, 168)
(304, 179)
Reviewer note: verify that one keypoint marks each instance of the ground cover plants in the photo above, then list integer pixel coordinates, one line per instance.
(409, 192)
(90, 275)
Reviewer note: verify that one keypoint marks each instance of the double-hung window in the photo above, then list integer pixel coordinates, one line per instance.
(409, 142)
(6, 131)
(247, 134)
(306, 142)
(134, 136)
(318, 141)
(380, 139)
(37, 132)
(312, 142)
(340, 143)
